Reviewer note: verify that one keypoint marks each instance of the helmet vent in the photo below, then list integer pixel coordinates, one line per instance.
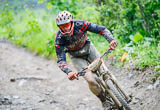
(64, 17)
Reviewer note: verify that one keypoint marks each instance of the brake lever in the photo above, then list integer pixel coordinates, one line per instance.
(82, 73)
(107, 51)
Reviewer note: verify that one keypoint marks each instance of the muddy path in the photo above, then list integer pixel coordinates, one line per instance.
(29, 82)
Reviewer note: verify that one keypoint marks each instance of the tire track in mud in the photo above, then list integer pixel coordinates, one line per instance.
(29, 82)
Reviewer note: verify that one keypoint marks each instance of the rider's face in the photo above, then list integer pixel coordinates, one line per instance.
(65, 27)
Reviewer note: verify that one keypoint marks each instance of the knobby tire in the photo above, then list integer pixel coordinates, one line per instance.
(118, 95)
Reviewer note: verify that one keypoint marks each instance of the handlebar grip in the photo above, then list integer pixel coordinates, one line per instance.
(81, 73)
(109, 50)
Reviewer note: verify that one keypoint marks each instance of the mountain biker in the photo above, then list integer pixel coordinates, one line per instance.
(72, 38)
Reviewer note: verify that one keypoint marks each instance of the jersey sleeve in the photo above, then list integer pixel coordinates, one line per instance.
(61, 55)
(99, 30)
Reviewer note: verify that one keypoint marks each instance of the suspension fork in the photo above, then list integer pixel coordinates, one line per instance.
(121, 90)
(107, 91)
(113, 78)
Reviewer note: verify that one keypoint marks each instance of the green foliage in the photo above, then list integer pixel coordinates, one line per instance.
(6, 21)
(135, 25)
(33, 29)
(6, 17)
(137, 37)
(144, 55)
(157, 68)
(69, 5)
(127, 17)
(32, 25)
(50, 47)
(99, 41)
(155, 77)
(29, 30)
(88, 14)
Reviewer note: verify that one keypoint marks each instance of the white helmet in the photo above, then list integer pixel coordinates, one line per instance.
(64, 17)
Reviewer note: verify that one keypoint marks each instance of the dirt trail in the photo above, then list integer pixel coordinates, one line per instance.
(29, 82)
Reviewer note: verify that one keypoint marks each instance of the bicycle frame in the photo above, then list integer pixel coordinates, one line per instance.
(104, 77)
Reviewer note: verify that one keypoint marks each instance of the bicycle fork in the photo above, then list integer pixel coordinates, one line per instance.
(108, 92)
(114, 80)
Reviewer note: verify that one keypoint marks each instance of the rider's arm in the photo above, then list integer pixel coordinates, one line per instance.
(61, 55)
(99, 30)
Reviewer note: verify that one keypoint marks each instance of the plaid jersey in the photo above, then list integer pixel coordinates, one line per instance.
(77, 40)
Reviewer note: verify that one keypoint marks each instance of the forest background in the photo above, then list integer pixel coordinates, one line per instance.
(135, 24)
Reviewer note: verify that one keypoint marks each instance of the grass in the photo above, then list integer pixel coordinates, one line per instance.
(32, 30)
(36, 31)
(140, 56)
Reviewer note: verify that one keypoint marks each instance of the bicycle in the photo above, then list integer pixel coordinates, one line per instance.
(107, 81)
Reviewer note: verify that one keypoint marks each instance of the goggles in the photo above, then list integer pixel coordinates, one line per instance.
(65, 27)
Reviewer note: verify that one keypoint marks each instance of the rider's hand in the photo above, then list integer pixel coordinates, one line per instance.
(72, 76)
(113, 44)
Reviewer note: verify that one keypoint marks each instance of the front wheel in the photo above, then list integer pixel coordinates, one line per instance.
(118, 95)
